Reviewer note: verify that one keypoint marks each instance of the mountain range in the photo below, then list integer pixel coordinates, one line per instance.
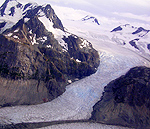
(134, 37)
(43, 58)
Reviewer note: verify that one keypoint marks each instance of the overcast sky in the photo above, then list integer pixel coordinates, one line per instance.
(129, 9)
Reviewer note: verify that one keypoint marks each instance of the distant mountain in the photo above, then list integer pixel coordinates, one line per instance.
(134, 38)
(37, 57)
(141, 32)
(91, 19)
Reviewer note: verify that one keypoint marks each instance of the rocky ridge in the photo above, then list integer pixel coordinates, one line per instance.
(91, 18)
(126, 100)
(37, 57)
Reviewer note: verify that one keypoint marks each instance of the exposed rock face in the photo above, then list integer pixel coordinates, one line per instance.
(148, 46)
(126, 100)
(117, 29)
(34, 65)
(140, 29)
(91, 18)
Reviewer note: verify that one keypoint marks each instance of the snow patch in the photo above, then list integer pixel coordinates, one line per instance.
(34, 40)
(69, 81)
(16, 30)
(30, 31)
(9, 34)
(48, 46)
(45, 38)
(41, 13)
(42, 39)
(16, 37)
(58, 34)
(85, 43)
(32, 6)
(18, 14)
(77, 60)
(26, 19)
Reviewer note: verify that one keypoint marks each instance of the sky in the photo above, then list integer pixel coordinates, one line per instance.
(133, 10)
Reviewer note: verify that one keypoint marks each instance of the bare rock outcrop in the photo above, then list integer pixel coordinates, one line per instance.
(126, 100)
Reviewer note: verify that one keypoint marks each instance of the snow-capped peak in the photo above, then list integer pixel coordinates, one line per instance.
(12, 11)
(126, 27)
(10, 14)
(134, 38)
(91, 18)
(9, 7)
(30, 14)
(140, 31)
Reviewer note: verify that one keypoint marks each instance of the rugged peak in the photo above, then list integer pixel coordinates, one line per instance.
(124, 27)
(119, 28)
(141, 30)
(134, 30)
(50, 14)
(93, 19)
(35, 48)
(6, 3)
(12, 11)
(8, 7)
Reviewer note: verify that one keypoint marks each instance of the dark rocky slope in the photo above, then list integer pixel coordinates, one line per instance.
(30, 71)
(126, 100)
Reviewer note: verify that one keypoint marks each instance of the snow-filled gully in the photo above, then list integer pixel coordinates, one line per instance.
(77, 102)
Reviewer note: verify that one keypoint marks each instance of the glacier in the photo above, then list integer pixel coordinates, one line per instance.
(80, 96)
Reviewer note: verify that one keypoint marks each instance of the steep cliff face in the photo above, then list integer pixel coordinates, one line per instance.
(37, 57)
(126, 100)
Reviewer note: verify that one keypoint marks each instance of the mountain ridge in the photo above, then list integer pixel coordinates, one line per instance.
(125, 100)
(36, 50)
(93, 19)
